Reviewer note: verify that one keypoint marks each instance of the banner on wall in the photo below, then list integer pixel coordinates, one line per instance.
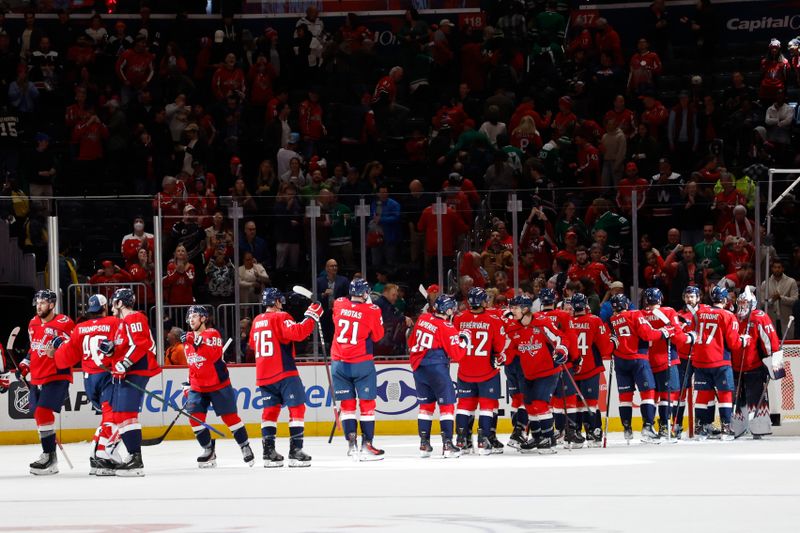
(397, 399)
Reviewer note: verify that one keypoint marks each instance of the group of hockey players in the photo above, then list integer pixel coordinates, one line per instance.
(552, 358)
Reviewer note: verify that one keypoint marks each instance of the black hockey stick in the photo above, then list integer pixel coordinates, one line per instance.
(302, 291)
(685, 382)
(12, 338)
(567, 445)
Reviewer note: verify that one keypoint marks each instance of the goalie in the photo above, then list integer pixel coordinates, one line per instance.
(751, 404)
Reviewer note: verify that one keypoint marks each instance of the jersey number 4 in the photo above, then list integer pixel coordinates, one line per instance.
(478, 347)
(344, 327)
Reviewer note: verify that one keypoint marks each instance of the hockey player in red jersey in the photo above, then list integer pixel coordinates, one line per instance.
(632, 333)
(47, 383)
(210, 385)
(541, 352)
(565, 398)
(663, 358)
(748, 366)
(688, 318)
(84, 347)
(717, 336)
(358, 325)
(272, 340)
(479, 374)
(590, 344)
(433, 343)
(132, 363)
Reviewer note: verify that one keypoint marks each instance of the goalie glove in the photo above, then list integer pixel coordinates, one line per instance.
(745, 338)
(560, 355)
(314, 311)
(5, 381)
(498, 360)
(777, 361)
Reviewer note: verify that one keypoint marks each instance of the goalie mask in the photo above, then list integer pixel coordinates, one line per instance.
(746, 303)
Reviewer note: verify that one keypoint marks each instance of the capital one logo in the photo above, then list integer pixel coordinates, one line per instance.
(396, 390)
(19, 402)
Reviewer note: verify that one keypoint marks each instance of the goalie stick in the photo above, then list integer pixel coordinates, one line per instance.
(302, 291)
(158, 440)
(12, 338)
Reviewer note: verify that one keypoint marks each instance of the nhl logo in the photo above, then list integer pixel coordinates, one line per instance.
(19, 402)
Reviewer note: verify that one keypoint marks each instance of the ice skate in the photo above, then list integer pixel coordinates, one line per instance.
(484, 445)
(497, 446)
(530, 446)
(425, 448)
(298, 458)
(726, 433)
(272, 459)
(370, 452)
(247, 454)
(516, 439)
(450, 450)
(573, 439)
(545, 447)
(208, 459)
(45, 465)
(132, 467)
(92, 466)
(627, 432)
(649, 435)
(352, 446)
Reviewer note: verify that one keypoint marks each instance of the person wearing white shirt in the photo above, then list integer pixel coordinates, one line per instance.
(252, 280)
(779, 293)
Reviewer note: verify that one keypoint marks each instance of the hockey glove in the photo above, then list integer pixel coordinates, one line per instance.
(56, 342)
(498, 360)
(508, 315)
(186, 389)
(577, 364)
(777, 361)
(5, 381)
(187, 337)
(691, 337)
(464, 339)
(314, 311)
(615, 341)
(560, 355)
(106, 347)
(121, 367)
(24, 368)
(666, 332)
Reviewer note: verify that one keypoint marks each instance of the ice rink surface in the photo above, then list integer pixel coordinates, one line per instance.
(707, 486)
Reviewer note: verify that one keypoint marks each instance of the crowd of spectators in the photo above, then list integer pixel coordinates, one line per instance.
(590, 134)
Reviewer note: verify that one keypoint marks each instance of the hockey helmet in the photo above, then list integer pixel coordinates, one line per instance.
(521, 301)
(653, 296)
(579, 302)
(270, 295)
(125, 296)
(620, 302)
(443, 303)
(359, 287)
(476, 296)
(719, 295)
(547, 296)
(46, 295)
(196, 310)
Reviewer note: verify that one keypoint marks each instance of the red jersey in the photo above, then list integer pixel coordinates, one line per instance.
(226, 81)
(452, 226)
(387, 87)
(357, 327)
(643, 68)
(433, 341)
(84, 343)
(534, 345)
(41, 334)
(261, 84)
(310, 120)
(597, 272)
(135, 67)
(588, 171)
(591, 342)
(717, 336)
(625, 119)
(659, 318)
(178, 286)
(560, 320)
(272, 340)
(207, 369)
(134, 341)
(488, 339)
(89, 138)
(634, 334)
(764, 342)
(132, 243)
(563, 122)
(655, 117)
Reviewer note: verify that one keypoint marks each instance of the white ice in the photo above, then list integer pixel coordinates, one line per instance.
(707, 486)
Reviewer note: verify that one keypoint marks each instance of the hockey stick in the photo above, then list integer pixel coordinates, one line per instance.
(685, 382)
(567, 445)
(302, 291)
(158, 440)
(12, 338)
(662, 317)
(608, 400)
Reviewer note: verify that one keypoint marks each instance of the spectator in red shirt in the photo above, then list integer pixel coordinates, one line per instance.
(142, 271)
(736, 252)
(261, 77)
(109, 274)
(311, 127)
(89, 137)
(655, 115)
(607, 40)
(135, 69)
(725, 200)
(179, 279)
(139, 239)
(774, 71)
(624, 118)
(526, 137)
(644, 67)
(629, 183)
(587, 173)
(740, 226)
(228, 79)
(565, 120)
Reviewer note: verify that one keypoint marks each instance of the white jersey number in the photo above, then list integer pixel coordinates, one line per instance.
(582, 346)
(710, 330)
(424, 341)
(478, 346)
(344, 326)
(264, 343)
(91, 346)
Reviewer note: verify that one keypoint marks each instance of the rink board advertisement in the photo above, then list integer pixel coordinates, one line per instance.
(396, 405)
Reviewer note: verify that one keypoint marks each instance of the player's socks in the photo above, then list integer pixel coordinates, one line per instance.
(203, 437)
(367, 430)
(296, 436)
